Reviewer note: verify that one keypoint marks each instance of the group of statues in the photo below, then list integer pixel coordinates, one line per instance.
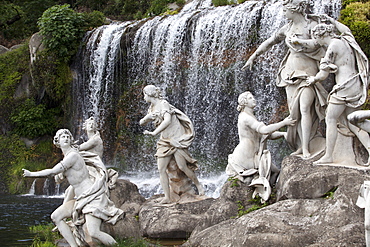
(318, 45)
(86, 200)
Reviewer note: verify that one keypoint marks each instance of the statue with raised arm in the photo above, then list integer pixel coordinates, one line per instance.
(347, 61)
(176, 134)
(92, 205)
(251, 162)
(306, 102)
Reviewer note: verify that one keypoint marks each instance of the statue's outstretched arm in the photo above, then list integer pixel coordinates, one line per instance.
(267, 129)
(265, 46)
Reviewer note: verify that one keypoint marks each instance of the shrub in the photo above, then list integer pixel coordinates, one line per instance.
(356, 16)
(32, 120)
(63, 29)
(93, 19)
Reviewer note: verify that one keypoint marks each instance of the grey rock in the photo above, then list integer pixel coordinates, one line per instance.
(307, 216)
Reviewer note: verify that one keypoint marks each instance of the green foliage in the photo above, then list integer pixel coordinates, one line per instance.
(13, 65)
(63, 29)
(32, 120)
(234, 182)
(93, 19)
(15, 156)
(330, 193)
(130, 242)
(356, 15)
(45, 237)
(256, 205)
(20, 18)
(217, 3)
(158, 7)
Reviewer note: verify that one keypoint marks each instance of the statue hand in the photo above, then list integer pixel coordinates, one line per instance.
(310, 80)
(249, 64)
(290, 121)
(26, 173)
(294, 40)
(146, 132)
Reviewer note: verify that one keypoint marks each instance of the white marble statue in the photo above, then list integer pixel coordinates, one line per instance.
(94, 143)
(92, 205)
(250, 157)
(346, 60)
(306, 102)
(176, 134)
(363, 201)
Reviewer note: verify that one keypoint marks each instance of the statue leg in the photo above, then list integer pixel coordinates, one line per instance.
(163, 177)
(332, 115)
(181, 163)
(305, 103)
(93, 227)
(58, 216)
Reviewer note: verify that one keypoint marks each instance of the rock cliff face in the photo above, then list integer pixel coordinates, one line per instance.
(316, 207)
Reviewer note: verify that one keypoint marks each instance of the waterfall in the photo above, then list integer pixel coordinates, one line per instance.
(32, 189)
(196, 57)
(95, 73)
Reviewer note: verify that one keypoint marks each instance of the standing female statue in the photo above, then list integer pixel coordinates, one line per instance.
(305, 102)
(177, 134)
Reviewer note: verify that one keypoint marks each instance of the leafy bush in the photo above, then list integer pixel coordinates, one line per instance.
(93, 19)
(32, 120)
(356, 16)
(63, 29)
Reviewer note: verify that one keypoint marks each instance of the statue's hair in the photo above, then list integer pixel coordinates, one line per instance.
(300, 6)
(90, 119)
(242, 100)
(322, 30)
(153, 91)
(59, 133)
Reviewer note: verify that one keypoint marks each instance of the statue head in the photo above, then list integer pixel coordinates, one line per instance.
(244, 100)
(299, 6)
(153, 91)
(56, 139)
(90, 122)
(323, 30)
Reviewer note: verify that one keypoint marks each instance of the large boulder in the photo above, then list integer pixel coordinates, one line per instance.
(316, 208)
(126, 196)
(176, 220)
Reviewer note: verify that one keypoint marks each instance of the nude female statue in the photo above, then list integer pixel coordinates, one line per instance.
(245, 161)
(91, 206)
(176, 134)
(306, 103)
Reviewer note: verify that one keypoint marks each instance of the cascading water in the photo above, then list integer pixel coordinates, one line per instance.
(96, 73)
(196, 57)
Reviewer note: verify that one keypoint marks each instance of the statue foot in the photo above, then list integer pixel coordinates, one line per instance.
(323, 160)
(299, 151)
(164, 200)
(306, 154)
